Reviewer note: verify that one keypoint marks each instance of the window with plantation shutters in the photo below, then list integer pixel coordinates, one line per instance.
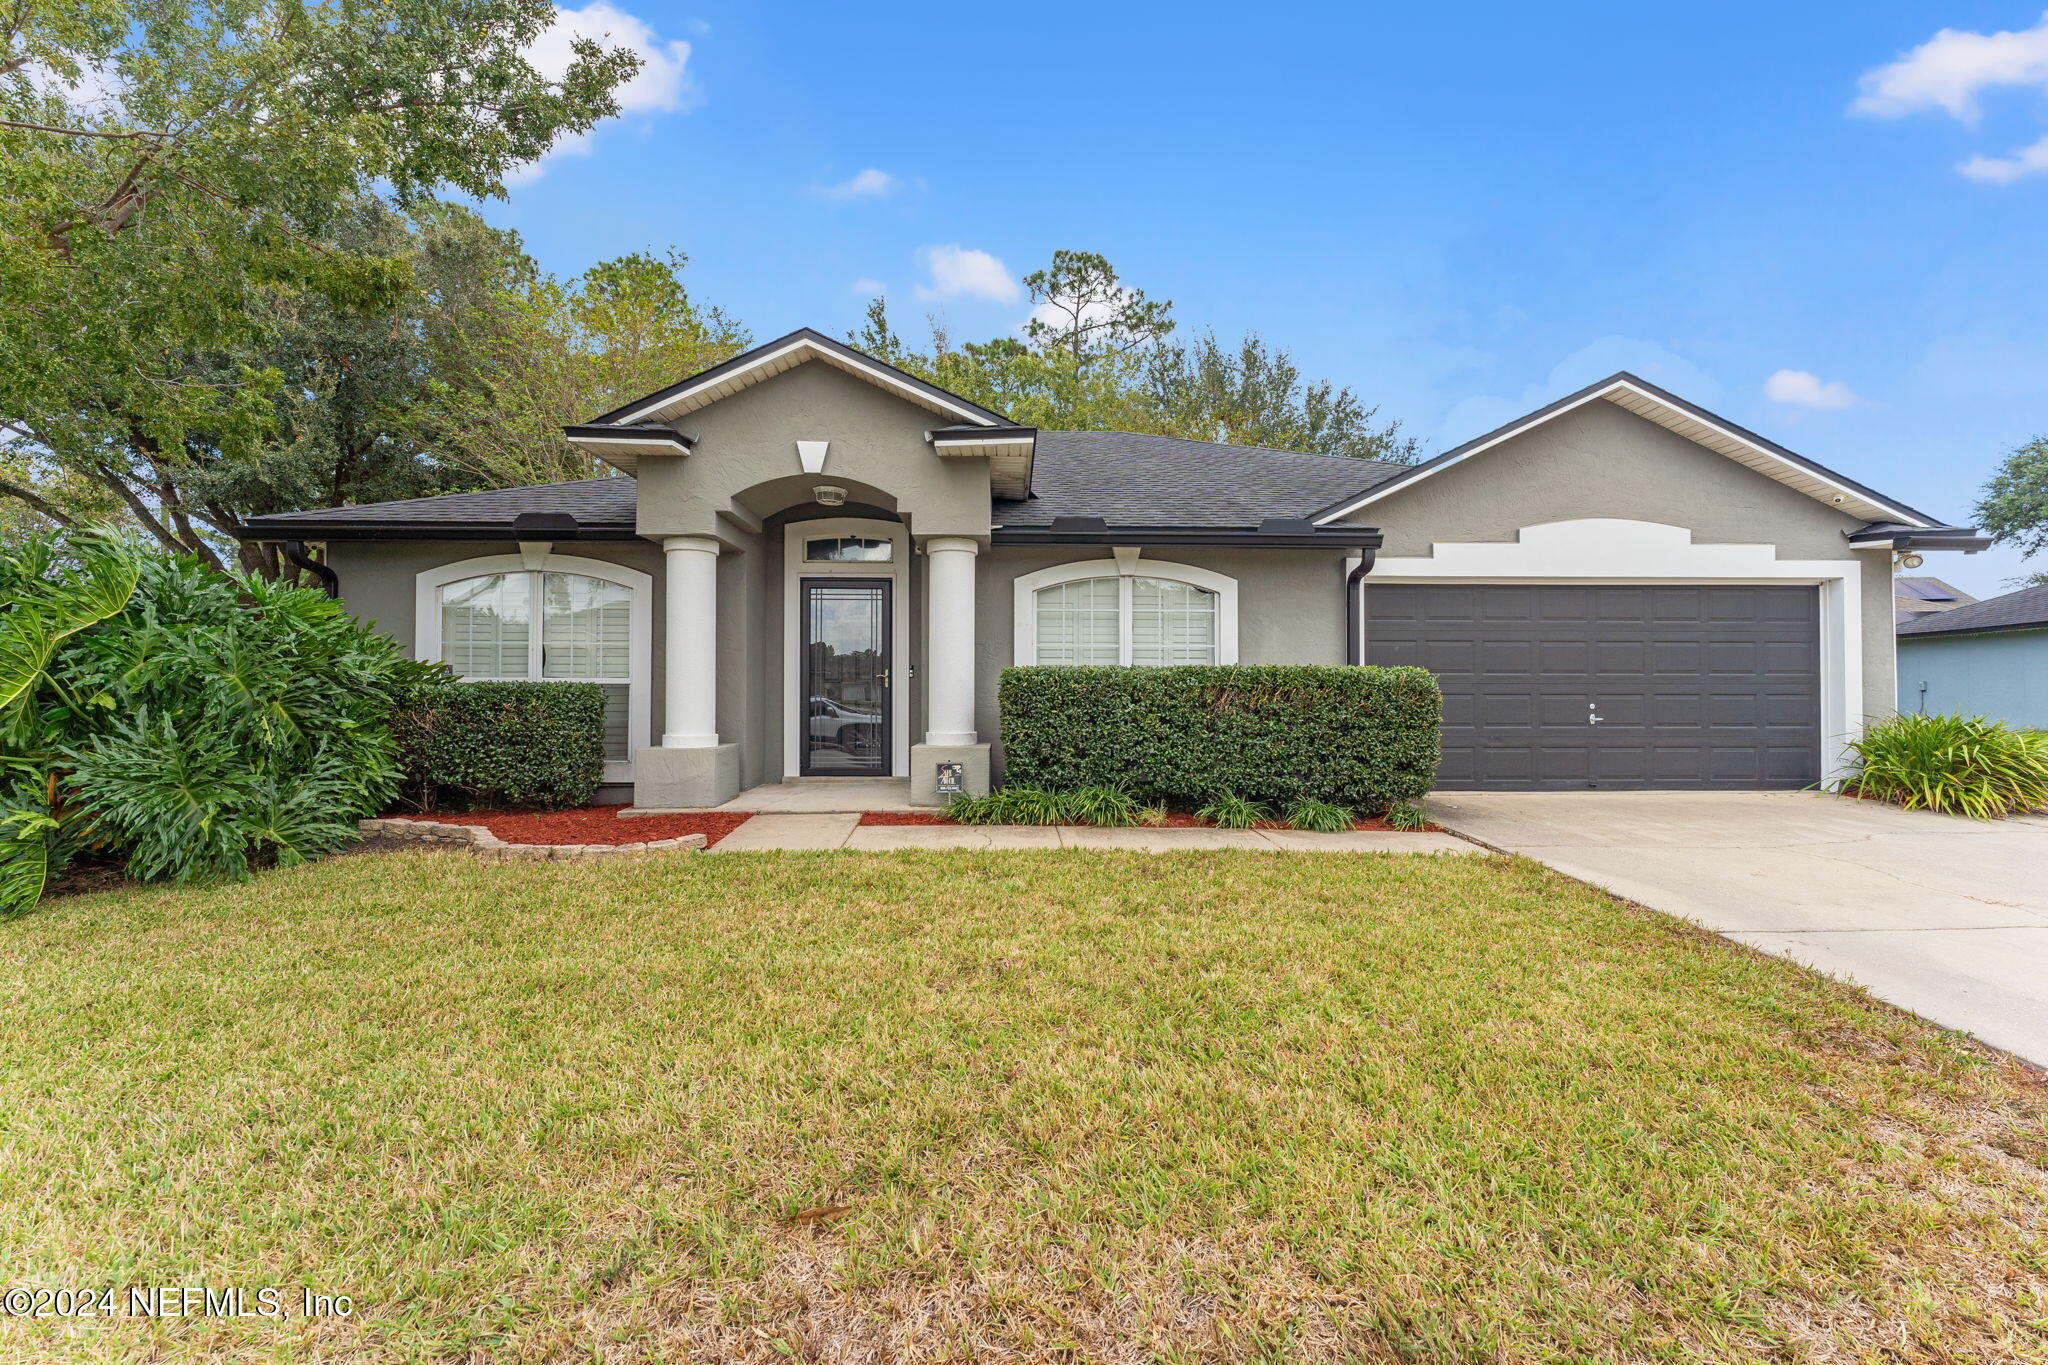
(583, 634)
(1150, 622)
(1079, 623)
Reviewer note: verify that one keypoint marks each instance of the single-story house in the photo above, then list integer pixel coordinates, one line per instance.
(1916, 597)
(1986, 659)
(817, 565)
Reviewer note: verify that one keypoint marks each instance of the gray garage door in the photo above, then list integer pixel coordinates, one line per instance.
(1576, 687)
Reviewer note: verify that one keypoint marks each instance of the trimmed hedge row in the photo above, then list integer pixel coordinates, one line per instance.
(495, 745)
(1361, 737)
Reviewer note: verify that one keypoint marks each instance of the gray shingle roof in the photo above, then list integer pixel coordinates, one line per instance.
(1133, 480)
(2014, 611)
(607, 501)
(1124, 478)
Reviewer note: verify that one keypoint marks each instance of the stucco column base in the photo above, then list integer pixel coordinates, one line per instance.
(671, 779)
(924, 771)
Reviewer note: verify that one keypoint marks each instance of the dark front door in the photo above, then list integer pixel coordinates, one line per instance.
(846, 677)
(1622, 685)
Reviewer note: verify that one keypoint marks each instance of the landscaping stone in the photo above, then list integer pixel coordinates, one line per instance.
(482, 841)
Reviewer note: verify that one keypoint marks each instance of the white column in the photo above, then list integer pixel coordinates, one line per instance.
(949, 640)
(690, 699)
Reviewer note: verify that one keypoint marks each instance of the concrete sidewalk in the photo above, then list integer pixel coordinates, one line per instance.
(1943, 916)
(825, 831)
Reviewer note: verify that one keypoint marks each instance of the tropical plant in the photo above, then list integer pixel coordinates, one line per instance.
(186, 722)
(1404, 815)
(1322, 816)
(1958, 765)
(1228, 810)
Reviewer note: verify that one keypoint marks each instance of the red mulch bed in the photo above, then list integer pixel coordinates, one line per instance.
(1174, 820)
(591, 825)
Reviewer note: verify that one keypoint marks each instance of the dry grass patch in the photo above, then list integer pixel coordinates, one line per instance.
(1074, 1105)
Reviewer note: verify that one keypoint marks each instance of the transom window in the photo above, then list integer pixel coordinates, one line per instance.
(584, 634)
(1150, 622)
(846, 550)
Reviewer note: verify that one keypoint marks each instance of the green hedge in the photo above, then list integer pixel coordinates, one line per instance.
(493, 745)
(1361, 737)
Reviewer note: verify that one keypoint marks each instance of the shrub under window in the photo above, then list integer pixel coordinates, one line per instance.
(1276, 733)
(534, 745)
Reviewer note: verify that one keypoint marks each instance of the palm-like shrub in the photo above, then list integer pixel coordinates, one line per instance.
(1321, 816)
(187, 723)
(1228, 810)
(1959, 765)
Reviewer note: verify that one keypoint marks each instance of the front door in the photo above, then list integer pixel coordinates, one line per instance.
(846, 677)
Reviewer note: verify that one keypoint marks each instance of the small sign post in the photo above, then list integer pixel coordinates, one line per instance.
(952, 779)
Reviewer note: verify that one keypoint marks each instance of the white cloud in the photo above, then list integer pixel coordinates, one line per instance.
(1952, 68)
(868, 285)
(662, 85)
(2003, 170)
(1805, 390)
(868, 184)
(961, 272)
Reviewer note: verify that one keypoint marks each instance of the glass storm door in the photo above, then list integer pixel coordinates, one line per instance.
(846, 677)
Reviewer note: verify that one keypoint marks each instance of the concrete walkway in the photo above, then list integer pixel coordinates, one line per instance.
(1942, 916)
(819, 831)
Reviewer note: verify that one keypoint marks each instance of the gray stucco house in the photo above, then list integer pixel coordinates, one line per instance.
(1986, 658)
(819, 566)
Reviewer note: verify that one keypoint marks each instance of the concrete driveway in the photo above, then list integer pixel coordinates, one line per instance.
(1942, 916)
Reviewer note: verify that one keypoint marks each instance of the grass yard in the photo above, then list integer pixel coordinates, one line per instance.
(1058, 1106)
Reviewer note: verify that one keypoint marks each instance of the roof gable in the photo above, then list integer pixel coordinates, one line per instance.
(1673, 413)
(765, 361)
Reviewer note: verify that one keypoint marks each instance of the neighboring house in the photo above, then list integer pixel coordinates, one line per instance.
(1986, 659)
(823, 564)
(1916, 597)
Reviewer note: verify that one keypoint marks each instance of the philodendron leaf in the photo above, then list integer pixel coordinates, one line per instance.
(26, 644)
(109, 569)
(25, 860)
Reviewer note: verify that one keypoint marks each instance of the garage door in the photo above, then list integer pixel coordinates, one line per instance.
(1612, 686)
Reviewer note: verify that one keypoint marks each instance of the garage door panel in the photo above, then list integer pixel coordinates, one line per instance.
(1699, 687)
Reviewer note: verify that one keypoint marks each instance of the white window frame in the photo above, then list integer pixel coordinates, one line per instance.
(427, 587)
(1126, 566)
(795, 568)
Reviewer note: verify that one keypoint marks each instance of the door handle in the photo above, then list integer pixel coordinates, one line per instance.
(1591, 717)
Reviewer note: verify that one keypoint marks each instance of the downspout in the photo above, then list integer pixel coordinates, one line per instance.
(295, 552)
(1354, 608)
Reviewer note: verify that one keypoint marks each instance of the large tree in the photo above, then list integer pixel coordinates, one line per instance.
(180, 177)
(2014, 507)
(1097, 354)
(541, 352)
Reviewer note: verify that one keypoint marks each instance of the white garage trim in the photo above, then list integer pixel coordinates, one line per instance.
(1613, 550)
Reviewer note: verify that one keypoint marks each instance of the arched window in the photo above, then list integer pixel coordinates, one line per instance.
(549, 618)
(1155, 615)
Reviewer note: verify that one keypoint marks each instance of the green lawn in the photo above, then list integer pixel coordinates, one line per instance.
(1075, 1106)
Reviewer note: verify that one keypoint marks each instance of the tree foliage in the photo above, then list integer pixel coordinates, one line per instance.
(2014, 505)
(187, 722)
(1097, 354)
(540, 352)
(182, 173)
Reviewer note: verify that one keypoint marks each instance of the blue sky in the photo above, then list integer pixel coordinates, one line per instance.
(1462, 212)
